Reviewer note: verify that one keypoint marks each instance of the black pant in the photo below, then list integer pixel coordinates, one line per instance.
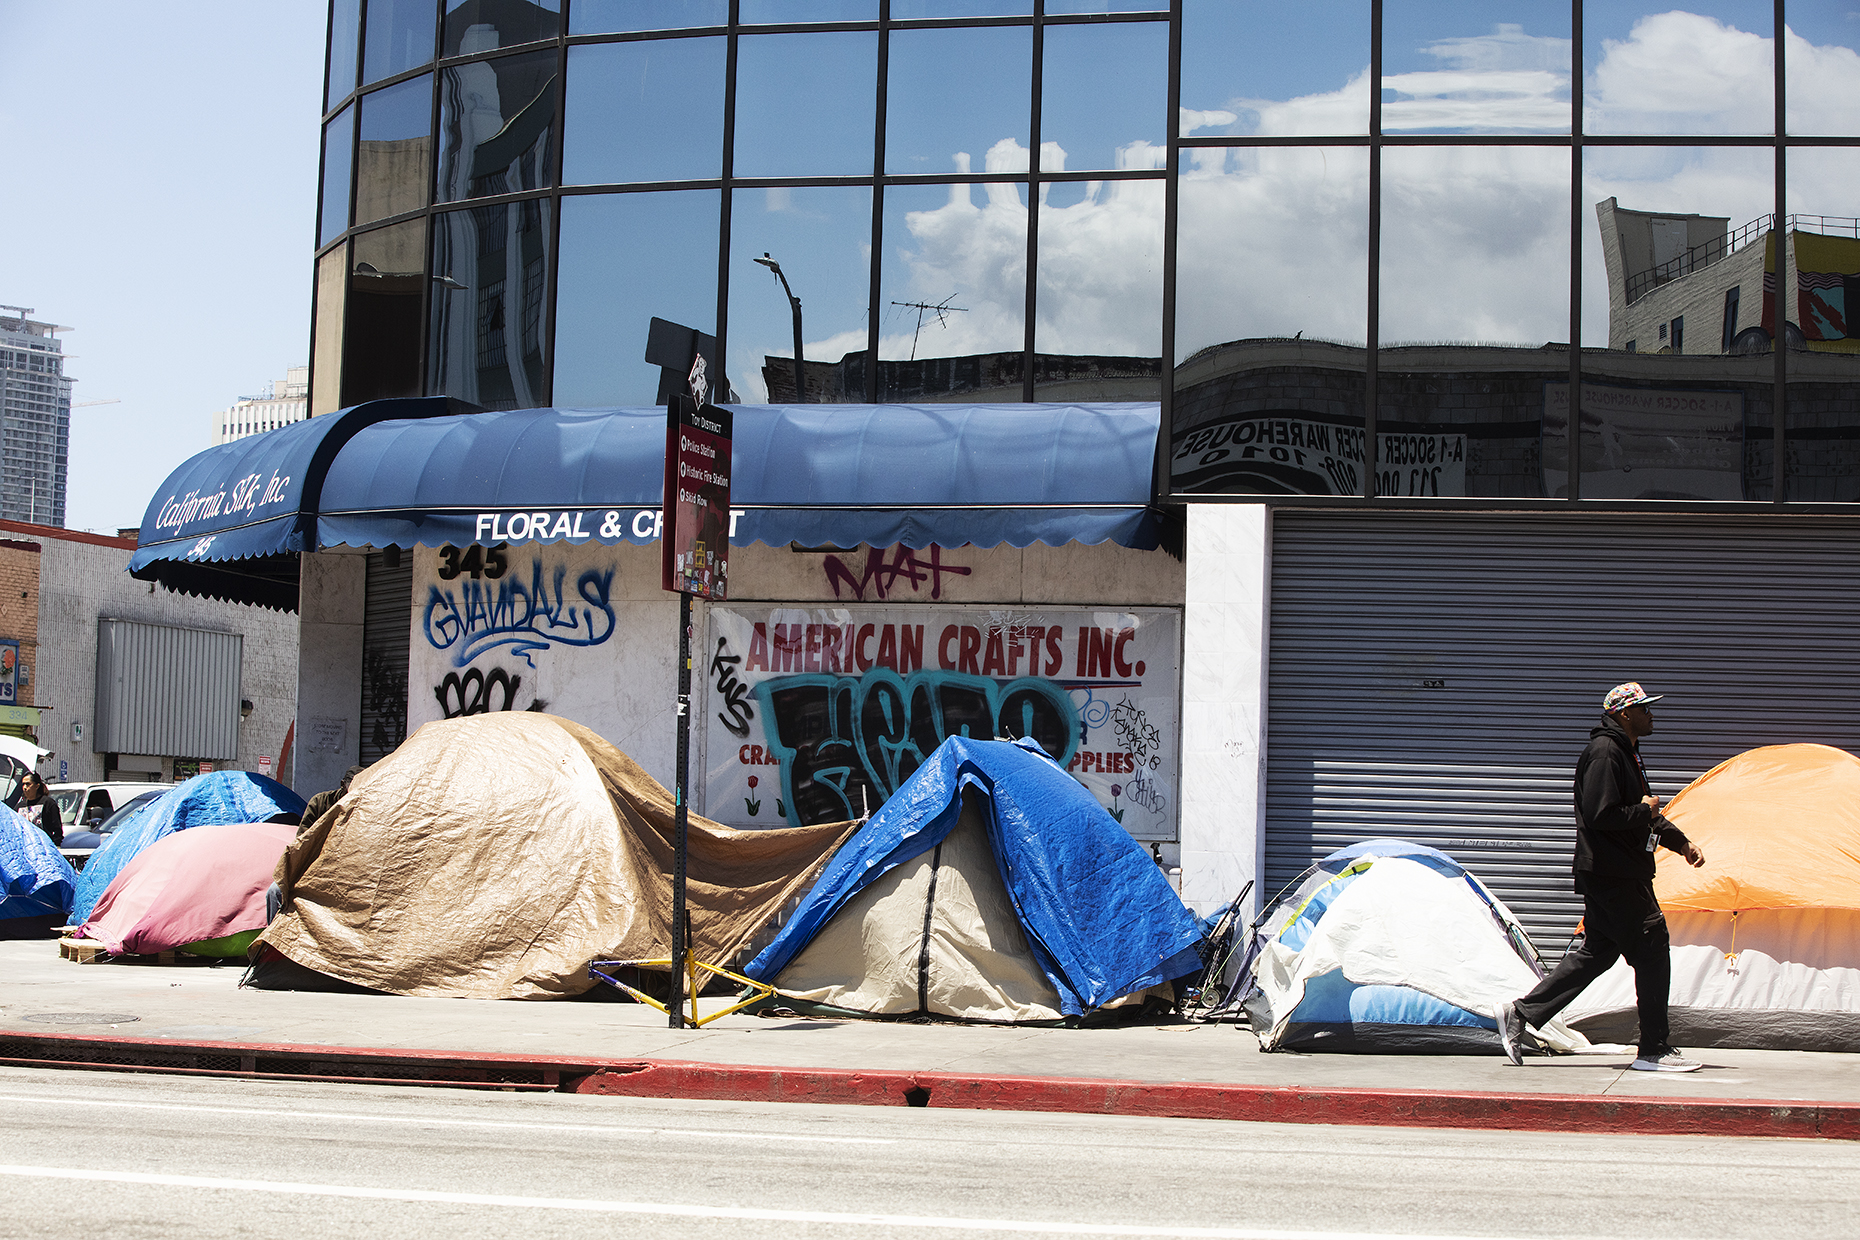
(1620, 921)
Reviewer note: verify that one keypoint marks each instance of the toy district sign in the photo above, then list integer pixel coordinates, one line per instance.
(818, 714)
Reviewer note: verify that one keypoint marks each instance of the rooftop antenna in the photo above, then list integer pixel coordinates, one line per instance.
(941, 309)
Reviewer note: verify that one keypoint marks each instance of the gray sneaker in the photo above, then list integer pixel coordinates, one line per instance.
(1511, 1032)
(1666, 1059)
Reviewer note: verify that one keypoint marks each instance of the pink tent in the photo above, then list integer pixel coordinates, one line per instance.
(202, 884)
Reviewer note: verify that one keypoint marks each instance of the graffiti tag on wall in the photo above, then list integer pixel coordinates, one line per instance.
(882, 577)
(838, 707)
(480, 693)
(465, 618)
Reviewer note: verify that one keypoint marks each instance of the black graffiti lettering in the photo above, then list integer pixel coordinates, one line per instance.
(734, 692)
(479, 693)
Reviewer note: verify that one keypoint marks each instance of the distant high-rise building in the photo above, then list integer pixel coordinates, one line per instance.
(35, 399)
(286, 402)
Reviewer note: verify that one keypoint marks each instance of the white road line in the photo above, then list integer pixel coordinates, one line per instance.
(431, 1122)
(595, 1206)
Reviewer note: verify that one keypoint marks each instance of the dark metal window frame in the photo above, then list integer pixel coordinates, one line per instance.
(878, 181)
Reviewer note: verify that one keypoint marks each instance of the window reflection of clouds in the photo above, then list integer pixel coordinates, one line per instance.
(956, 95)
(805, 103)
(1274, 69)
(1476, 67)
(1106, 95)
(626, 258)
(1823, 70)
(1272, 242)
(821, 236)
(1468, 234)
(615, 16)
(650, 110)
(1100, 273)
(1677, 72)
(966, 244)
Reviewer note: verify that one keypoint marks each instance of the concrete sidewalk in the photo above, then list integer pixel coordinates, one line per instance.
(62, 1008)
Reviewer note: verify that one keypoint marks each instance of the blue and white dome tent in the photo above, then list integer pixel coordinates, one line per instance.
(1388, 946)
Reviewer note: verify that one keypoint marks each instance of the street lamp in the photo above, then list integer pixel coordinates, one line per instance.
(800, 382)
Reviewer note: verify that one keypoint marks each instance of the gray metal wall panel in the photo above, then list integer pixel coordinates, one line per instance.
(168, 691)
(387, 622)
(1434, 676)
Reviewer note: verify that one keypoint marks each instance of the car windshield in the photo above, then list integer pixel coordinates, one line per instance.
(129, 810)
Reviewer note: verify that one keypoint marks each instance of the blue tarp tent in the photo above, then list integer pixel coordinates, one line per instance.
(39, 882)
(991, 886)
(211, 799)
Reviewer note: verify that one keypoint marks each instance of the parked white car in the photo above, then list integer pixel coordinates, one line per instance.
(82, 806)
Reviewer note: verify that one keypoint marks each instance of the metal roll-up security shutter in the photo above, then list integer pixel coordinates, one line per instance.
(1434, 676)
(387, 619)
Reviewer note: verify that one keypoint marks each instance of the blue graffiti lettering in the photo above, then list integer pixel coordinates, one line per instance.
(470, 617)
(845, 743)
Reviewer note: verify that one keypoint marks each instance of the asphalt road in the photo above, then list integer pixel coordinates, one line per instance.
(118, 1155)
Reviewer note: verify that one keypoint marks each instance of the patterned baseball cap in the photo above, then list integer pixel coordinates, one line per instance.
(1630, 694)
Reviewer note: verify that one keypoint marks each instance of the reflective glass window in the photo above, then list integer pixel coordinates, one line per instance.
(1276, 70)
(805, 103)
(400, 36)
(1271, 316)
(1105, 6)
(1473, 66)
(338, 152)
(496, 124)
(490, 280)
(394, 159)
(345, 44)
(953, 296)
(1098, 315)
(1106, 96)
(611, 16)
(1822, 67)
(959, 100)
(1821, 291)
(907, 10)
(645, 111)
(1650, 68)
(326, 345)
(612, 289)
(765, 12)
(1474, 318)
(822, 238)
(381, 327)
(1671, 409)
(476, 26)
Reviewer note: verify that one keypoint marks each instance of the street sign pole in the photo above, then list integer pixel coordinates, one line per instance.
(675, 1006)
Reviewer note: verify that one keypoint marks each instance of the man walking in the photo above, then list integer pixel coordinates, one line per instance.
(1618, 826)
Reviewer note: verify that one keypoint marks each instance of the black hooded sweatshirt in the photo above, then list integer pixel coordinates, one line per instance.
(1612, 823)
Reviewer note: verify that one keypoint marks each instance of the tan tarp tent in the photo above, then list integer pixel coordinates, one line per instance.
(1766, 935)
(494, 856)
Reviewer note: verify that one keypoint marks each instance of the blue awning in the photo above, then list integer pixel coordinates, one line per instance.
(814, 474)
(254, 499)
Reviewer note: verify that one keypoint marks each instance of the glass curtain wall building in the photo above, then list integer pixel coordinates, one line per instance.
(1362, 234)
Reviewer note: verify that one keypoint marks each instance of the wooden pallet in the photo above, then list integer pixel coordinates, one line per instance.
(90, 951)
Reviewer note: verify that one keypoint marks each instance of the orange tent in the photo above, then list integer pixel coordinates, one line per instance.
(1766, 935)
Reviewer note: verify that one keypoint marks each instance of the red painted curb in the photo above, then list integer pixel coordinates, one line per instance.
(665, 1078)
